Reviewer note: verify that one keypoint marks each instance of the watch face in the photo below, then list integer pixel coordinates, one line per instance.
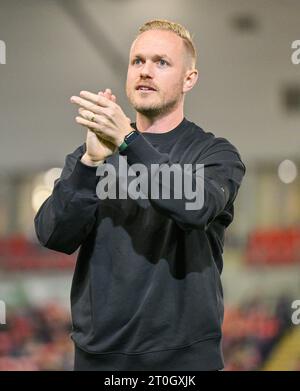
(131, 136)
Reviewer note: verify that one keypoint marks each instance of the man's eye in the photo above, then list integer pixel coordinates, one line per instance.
(136, 61)
(162, 62)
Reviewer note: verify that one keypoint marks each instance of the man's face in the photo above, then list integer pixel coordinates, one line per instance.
(157, 60)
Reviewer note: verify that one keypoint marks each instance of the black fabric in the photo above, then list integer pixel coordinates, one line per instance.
(200, 356)
(146, 291)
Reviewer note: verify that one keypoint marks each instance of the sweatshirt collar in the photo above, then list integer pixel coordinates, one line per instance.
(165, 136)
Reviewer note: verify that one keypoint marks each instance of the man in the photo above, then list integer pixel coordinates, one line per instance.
(146, 292)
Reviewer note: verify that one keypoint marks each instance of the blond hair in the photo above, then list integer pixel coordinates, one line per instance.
(178, 29)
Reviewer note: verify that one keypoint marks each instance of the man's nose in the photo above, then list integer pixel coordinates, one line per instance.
(147, 70)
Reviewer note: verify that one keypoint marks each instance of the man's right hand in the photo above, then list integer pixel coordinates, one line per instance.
(98, 149)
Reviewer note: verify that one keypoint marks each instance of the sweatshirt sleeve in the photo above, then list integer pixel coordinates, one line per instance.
(222, 175)
(66, 217)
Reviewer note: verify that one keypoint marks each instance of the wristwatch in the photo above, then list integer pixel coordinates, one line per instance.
(128, 139)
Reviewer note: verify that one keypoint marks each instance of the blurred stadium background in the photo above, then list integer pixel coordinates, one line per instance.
(248, 92)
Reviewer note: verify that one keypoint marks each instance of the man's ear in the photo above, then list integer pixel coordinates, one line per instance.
(190, 79)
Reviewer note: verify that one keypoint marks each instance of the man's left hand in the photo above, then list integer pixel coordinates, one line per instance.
(102, 116)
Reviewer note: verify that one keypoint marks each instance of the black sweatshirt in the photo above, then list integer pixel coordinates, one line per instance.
(146, 291)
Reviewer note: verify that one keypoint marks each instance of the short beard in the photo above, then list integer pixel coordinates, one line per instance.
(156, 111)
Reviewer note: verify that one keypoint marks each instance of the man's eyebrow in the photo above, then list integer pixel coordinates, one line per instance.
(155, 56)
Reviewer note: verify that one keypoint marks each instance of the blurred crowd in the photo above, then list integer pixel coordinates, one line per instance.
(38, 338)
(251, 331)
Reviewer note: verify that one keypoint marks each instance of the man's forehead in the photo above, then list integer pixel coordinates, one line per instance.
(157, 42)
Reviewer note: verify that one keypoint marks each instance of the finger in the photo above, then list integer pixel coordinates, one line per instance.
(97, 128)
(86, 122)
(87, 104)
(110, 95)
(107, 93)
(89, 115)
(93, 126)
(95, 98)
(101, 93)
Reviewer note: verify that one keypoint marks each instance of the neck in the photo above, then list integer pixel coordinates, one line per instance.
(160, 124)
